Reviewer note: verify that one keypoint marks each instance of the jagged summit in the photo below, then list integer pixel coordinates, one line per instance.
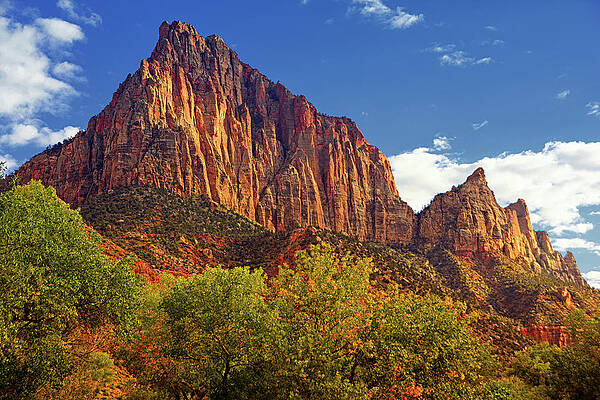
(195, 119)
(176, 26)
(469, 221)
(477, 177)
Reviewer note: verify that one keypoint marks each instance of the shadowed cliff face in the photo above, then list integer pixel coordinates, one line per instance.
(194, 119)
(469, 221)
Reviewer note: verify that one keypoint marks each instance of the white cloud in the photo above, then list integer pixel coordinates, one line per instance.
(593, 108)
(33, 80)
(68, 71)
(573, 228)
(555, 181)
(404, 20)
(484, 60)
(498, 42)
(456, 58)
(25, 81)
(441, 48)
(564, 244)
(59, 30)
(563, 94)
(9, 162)
(593, 278)
(92, 19)
(441, 143)
(490, 28)
(477, 126)
(394, 19)
(22, 134)
(372, 7)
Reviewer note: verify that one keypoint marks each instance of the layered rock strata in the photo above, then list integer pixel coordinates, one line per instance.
(469, 221)
(195, 119)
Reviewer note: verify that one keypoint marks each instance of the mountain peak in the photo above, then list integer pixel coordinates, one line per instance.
(468, 221)
(520, 206)
(177, 27)
(197, 120)
(477, 177)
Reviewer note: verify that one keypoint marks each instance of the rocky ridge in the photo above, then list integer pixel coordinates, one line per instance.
(469, 221)
(194, 119)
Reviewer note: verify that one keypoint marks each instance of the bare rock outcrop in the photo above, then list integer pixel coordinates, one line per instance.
(469, 221)
(195, 119)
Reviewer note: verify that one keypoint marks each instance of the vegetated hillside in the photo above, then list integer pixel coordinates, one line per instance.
(185, 235)
(78, 325)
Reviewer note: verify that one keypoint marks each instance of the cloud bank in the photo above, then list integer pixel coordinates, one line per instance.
(555, 181)
(34, 80)
(593, 278)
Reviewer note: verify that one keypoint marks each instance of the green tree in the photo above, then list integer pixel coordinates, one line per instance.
(572, 372)
(422, 347)
(213, 332)
(324, 306)
(320, 330)
(54, 279)
(344, 338)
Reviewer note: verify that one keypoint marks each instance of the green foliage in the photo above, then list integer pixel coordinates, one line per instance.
(466, 282)
(319, 330)
(422, 342)
(565, 373)
(101, 367)
(512, 388)
(54, 280)
(324, 308)
(211, 333)
(220, 329)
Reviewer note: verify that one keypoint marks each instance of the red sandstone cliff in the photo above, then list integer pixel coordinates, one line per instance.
(195, 119)
(553, 335)
(469, 221)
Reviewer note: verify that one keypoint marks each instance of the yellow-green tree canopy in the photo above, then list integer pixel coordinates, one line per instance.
(54, 279)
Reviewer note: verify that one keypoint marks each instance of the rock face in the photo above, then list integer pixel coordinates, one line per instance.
(194, 119)
(469, 221)
(553, 335)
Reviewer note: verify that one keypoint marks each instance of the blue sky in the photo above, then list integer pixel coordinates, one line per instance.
(441, 87)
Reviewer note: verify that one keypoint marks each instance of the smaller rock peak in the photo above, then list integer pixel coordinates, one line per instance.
(477, 177)
(520, 207)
